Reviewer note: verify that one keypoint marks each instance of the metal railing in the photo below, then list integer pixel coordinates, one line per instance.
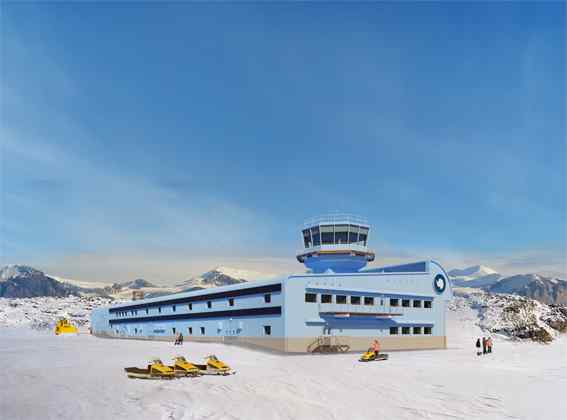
(333, 247)
(336, 218)
(358, 309)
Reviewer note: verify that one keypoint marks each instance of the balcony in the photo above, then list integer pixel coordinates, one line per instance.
(347, 310)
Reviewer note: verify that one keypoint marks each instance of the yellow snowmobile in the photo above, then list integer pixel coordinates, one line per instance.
(63, 326)
(182, 367)
(214, 367)
(372, 356)
(155, 370)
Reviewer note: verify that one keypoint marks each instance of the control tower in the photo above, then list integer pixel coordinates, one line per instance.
(336, 242)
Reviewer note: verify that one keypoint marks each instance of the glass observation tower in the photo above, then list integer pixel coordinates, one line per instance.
(336, 243)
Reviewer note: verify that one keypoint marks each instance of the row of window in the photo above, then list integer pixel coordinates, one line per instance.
(366, 300)
(267, 299)
(267, 330)
(335, 234)
(408, 330)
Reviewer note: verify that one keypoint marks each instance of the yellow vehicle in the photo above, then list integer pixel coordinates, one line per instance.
(372, 356)
(184, 368)
(214, 367)
(155, 370)
(63, 326)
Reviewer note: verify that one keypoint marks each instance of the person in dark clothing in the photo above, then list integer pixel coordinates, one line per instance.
(489, 344)
(180, 338)
(478, 353)
(483, 345)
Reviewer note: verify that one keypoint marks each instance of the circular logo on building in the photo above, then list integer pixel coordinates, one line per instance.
(440, 283)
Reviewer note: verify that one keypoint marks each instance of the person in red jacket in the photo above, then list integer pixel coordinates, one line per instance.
(376, 347)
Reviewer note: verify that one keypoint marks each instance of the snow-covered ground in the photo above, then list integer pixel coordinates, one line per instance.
(81, 377)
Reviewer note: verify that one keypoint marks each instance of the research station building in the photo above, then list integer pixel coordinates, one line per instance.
(337, 305)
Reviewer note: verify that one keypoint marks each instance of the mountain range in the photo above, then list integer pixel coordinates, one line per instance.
(20, 281)
(544, 289)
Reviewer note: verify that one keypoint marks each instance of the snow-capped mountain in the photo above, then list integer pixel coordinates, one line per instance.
(478, 276)
(220, 276)
(472, 272)
(20, 281)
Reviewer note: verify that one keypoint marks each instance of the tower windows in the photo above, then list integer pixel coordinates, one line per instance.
(341, 299)
(310, 297)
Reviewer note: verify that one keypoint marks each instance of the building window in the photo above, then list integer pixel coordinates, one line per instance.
(173, 329)
(190, 306)
(326, 298)
(417, 330)
(405, 330)
(394, 302)
(173, 308)
(307, 238)
(190, 330)
(427, 330)
(417, 303)
(393, 330)
(355, 300)
(427, 304)
(341, 299)
(311, 297)
(368, 300)
(159, 309)
(209, 304)
(381, 302)
(405, 303)
(316, 236)
(267, 330)
(231, 302)
(202, 330)
(267, 298)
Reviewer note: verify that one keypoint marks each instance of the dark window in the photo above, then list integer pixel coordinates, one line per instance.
(355, 300)
(230, 302)
(381, 302)
(341, 234)
(427, 330)
(159, 309)
(316, 236)
(173, 308)
(327, 235)
(417, 330)
(173, 329)
(405, 330)
(310, 297)
(190, 330)
(353, 234)
(417, 303)
(267, 330)
(368, 300)
(427, 304)
(267, 298)
(326, 298)
(190, 306)
(362, 236)
(394, 302)
(202, 330)
(307, 238)
(405, 303)
(341, 299)
(393, 330)
(209, 304)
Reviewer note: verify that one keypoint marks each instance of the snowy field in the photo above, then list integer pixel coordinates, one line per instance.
(81, 377)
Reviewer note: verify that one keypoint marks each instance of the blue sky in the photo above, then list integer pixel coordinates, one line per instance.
(158, 140)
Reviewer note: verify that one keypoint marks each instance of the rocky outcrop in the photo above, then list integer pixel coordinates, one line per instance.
(515, 317)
